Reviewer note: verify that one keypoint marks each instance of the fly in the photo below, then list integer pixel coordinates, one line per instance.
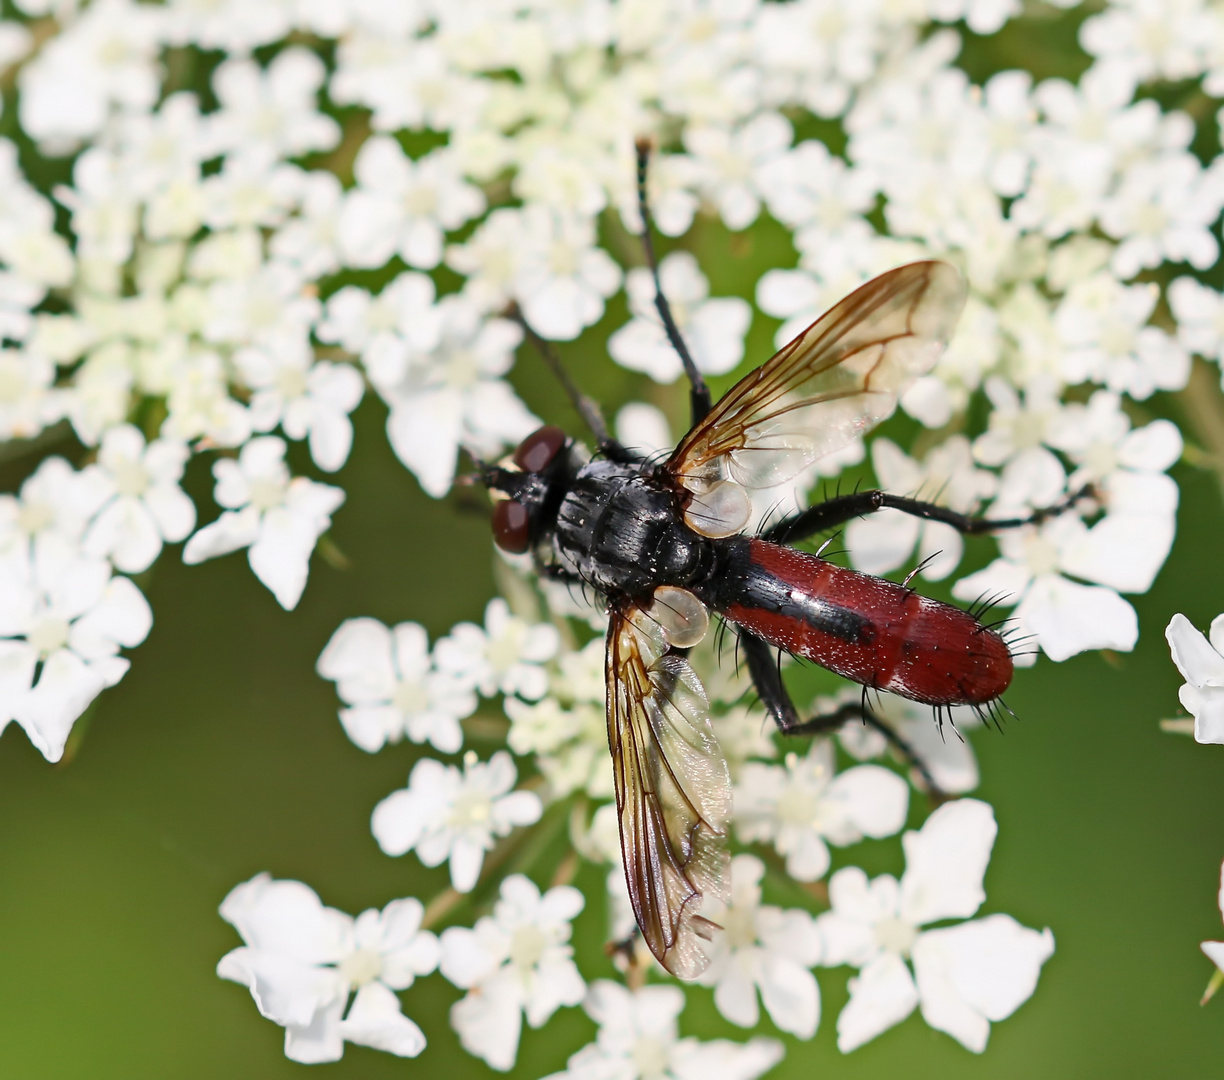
(664, 544)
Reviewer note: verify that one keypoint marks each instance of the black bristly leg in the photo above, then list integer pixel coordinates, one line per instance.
(842, 508)
(767, 680)
(699, 393)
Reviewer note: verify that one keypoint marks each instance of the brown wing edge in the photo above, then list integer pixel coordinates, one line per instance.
(931, 294)
(673, 795)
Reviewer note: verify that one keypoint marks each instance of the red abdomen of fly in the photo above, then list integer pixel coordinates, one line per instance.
(865, 628)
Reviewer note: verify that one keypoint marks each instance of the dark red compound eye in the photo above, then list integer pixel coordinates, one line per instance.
(536, 452)
(510, 526)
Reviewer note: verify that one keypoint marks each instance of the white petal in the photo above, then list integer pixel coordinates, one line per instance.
(882, 541)
(979, 971)
(123, 617)
(399, 820)
(286, 990)
(319, 1040)
(873, 799)
(735, 997)
(466, 961)
(1198, 662)
(424, 431)
(66, 685)
(375, 1019)
(489, 1023)
(791, 996)
(881, 995)
(372, 726)
(945, 862)
(359, 659)
(173, 511)
(280, 557)
(1070, 618)
(234, 529)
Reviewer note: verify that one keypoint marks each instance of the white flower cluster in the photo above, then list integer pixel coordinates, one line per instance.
(275, 204)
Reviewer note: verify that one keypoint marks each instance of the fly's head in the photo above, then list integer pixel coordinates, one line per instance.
(528, 486)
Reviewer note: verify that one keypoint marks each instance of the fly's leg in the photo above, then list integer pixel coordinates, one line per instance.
(842, 508)
(699, 393)
(767, 680)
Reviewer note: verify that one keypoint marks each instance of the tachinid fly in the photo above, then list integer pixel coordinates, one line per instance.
(664, 545)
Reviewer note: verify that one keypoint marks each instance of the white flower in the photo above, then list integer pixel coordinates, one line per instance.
(713, 329)
(1163, 210)
(403, 207)
(964, 976)
(1150, 38)
(1102, 324)
(727, 159)
(883, 541)
(563, 277)
(251, 189)
(1064, 616)
(278, 518)
(63, 619)
(517, 962)
(389, 331)
(823, 199)
(638, 1040)
(311, 240)
(1200, 661)
(271, 309)
(1125, 549)
(1214, 950)
(199, 403)
(232, 26)
(1200, 317)
(106, 57)
(453, 396)
(505, 657)
(27, 401)
(387, 680)
(301, 961)
(144, 504)
(447, 814)
(307, 399)
(275, 108)
(762, 947)
(802, 805)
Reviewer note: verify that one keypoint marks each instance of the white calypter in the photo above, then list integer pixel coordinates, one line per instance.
(447, 814)
(506, 656)
(515, 963)
(964, 976)
(301, 961)
(1200, 661)
(638, 1040)
(278, 518)
(713, 329)
(144, 506)
(386, 677)
(763, 948)
(802, 807)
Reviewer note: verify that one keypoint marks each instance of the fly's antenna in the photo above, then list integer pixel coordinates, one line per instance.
(699, 393)
(584, 405)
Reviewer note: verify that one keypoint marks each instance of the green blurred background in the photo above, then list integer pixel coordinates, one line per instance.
(220, 756)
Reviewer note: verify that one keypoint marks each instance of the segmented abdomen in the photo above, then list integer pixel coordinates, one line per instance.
(866, 628)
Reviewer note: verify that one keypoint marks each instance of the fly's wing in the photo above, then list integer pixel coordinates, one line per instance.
(836, 380)
(673, 791)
